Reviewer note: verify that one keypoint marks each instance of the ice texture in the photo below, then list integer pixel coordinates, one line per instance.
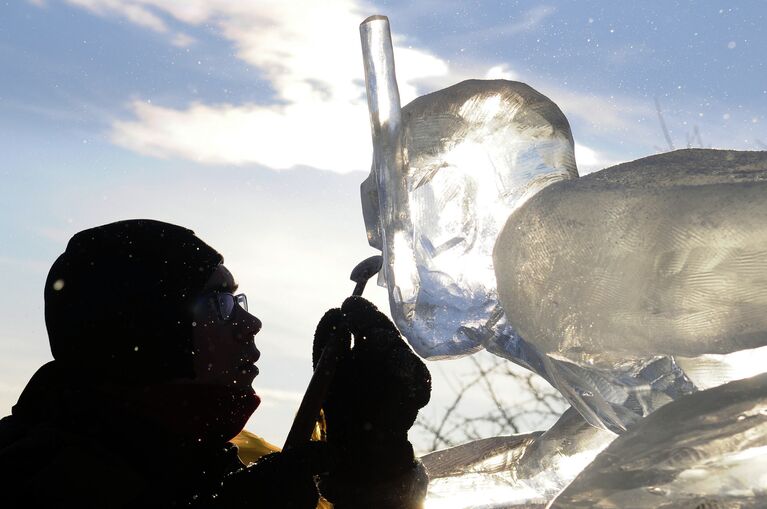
(513, 471)
(617, 397)
(711, 370)
(618, 279)
(666, 255)
(471, 154)
(706, 450)
(629, 290)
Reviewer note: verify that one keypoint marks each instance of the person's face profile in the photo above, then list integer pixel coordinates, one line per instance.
(224, 349)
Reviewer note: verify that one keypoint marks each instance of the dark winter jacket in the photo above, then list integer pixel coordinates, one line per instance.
(68, 446)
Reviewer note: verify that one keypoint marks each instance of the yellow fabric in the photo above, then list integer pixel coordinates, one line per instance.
(251, 447)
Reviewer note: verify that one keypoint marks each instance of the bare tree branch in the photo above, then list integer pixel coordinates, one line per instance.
(663, 125)
(517, 401)
(696, 131)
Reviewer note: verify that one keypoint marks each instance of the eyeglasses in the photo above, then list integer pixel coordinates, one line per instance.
(224, 304)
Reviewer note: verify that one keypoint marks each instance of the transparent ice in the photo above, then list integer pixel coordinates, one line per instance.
(474, 152)
(721, 461)
(513, 471)
(630, 290)
(707, 450)
(448, 169)
(660, 256)
(661, 260)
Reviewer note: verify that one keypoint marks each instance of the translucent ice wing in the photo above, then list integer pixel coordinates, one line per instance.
(612, 398)
(708, 449)
(662, 256)
(514, 471)
(711, 370)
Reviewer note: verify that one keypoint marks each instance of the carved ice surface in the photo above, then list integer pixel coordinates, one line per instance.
(641, 264)
(616, 398)
(711, 370)
(706, 450)
(666, 255)
(471, 154)
(514, 471)
(451, 166)
(629, 290)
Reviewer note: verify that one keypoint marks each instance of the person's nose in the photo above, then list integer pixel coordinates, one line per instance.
(248, 326)
(253, 323)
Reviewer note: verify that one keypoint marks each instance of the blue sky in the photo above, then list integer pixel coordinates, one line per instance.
(247, 122)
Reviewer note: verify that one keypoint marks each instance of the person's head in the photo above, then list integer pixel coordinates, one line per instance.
(223, 337)
(141, 301)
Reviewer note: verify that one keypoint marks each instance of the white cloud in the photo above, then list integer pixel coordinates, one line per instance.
(278, 395)
(590, 160)
(500, 72)
(310, 53)
(525, 21)
(131, 10)
(531, 19)
(585, 155)
(607, 113)
(182, 40)
(322, 134)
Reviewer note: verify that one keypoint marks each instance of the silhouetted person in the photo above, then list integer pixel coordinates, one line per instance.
(154, 356)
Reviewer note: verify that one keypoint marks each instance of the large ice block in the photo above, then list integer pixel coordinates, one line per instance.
(706, 450)
(471, 154)
(666, 255)
(711, 370)
(513, 471)
(625, 289)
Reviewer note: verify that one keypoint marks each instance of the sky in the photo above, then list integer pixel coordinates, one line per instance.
(247, 122)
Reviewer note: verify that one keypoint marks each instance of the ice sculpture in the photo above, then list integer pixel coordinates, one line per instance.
(712, 370)
(666, 255)
(514, 471)
(629, 290)
(656, 262)
(707, 450)
(448, 170)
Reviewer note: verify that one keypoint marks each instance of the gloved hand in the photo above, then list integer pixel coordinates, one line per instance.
(378, 388)
(283, 480)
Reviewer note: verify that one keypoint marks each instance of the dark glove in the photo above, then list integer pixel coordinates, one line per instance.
(378, 388)
(282, 480)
